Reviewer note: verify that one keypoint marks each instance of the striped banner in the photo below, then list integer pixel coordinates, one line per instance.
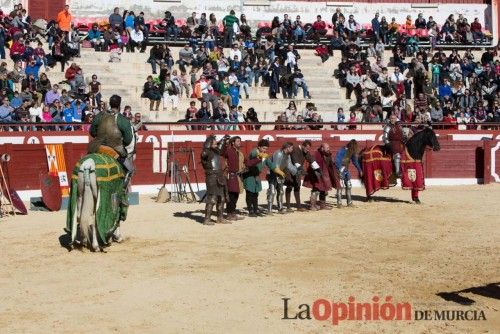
(57, 165)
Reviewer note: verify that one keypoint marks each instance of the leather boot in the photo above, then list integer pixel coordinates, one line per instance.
(339, 198)
(151, 105)
(324, 206)
(208, 214)
(296, 194)
(157, 106)
(220, 214)
(313, 199)
(288, 195)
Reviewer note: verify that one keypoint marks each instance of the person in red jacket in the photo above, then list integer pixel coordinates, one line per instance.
(477, 30)
(322, 51)
(71, 72)
(319, 28)
(17, 50)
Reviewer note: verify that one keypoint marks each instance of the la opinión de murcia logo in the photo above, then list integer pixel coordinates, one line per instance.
(375, 310)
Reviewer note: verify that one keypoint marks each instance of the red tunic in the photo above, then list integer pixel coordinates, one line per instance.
(395, 137)
(412, 173)
(329, 177)
(234, 167)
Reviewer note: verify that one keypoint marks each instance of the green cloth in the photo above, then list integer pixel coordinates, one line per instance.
(223, 88)
(251, 179)
(229, 20)
(123, 124)
(110, 178)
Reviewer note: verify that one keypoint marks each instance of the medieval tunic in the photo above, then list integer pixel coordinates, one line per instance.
(395, 138)
(340, 162)
(298, 157)
(111, 130)
(251, 179)
(235, 166)
(328, 177)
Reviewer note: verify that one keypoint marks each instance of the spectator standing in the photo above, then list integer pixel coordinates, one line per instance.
(115, 20)
(64, 19)
(229, 21)
(376, 27)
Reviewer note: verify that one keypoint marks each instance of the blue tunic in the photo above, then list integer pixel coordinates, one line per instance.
(339, 158)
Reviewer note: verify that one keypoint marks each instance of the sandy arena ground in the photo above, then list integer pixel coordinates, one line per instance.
(174, 275)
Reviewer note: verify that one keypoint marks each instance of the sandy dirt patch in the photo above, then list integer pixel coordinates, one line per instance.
(175, 275)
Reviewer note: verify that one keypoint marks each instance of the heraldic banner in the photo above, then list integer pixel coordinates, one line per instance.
(412, 173)
(57, 165)
(377, 169)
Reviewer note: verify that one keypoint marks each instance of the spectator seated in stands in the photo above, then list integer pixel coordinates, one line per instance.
(322, 51)
(96, 38)
(137, 40)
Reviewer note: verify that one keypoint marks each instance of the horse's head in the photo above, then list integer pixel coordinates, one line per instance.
(432, 140)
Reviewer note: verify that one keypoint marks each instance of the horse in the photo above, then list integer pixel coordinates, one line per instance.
(93, 216)
(377, 165)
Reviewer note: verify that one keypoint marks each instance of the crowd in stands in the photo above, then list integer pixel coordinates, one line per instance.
(444, 87)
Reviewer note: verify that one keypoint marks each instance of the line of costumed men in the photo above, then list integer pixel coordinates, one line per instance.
(228, 172)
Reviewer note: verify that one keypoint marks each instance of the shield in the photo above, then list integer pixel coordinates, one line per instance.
(412, 175)
(17, 202)
(51, 191)
(377, 173)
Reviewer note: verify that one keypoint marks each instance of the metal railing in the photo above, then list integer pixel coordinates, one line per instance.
(229, 126)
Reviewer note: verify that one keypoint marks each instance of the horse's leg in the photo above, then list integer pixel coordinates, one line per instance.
(77, 214)
(95, 198)
(87, 213)
(117, 235)
(414, 196)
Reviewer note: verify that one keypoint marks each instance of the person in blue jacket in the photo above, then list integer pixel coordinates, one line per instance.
(345, 155)
(33, 67)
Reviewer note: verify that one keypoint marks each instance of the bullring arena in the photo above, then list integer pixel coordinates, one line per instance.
(394, 263)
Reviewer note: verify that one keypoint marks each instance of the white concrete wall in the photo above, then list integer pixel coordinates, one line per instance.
(308, 10)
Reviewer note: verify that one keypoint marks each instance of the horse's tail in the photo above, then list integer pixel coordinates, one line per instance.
(87, 199)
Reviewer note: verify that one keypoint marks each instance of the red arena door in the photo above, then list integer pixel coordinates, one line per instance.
(46, 9)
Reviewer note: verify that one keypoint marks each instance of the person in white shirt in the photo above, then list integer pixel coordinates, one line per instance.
(137, 40)
(353, 83)
(291, 59)
(235, 51)
(232, 77)
(397, 79)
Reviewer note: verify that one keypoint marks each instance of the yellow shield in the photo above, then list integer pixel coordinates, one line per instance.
(412, 175)
(377, 173)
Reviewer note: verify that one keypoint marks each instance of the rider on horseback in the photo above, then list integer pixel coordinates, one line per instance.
(114, 136)
(393, 139)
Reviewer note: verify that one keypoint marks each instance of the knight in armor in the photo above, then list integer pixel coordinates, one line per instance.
(393, 139)
(299, 155)
(114, 136)
(345, 155)
(321, 176)
(211, 160)
(257, 160)
(281, 159)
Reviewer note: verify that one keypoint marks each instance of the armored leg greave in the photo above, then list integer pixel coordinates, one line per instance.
(397, 163)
